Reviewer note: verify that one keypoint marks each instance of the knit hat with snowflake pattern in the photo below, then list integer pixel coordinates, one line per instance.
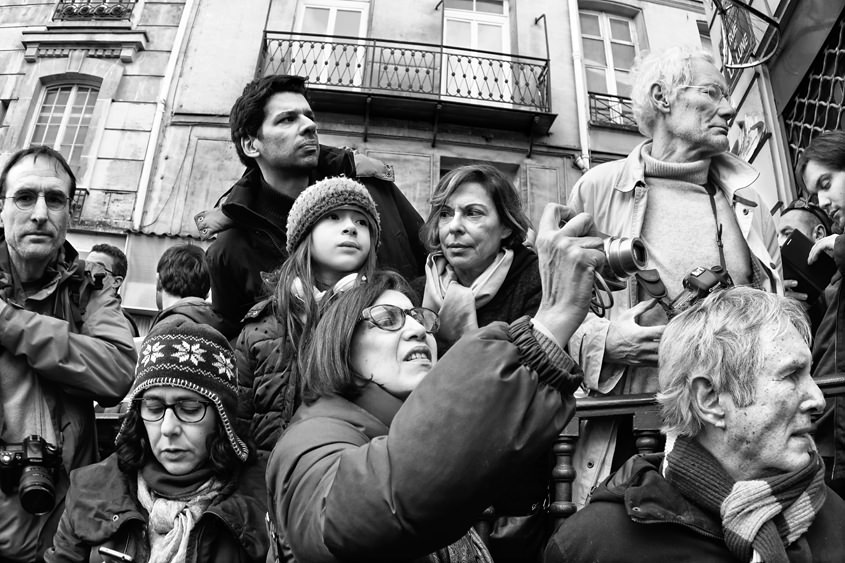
(196, 357)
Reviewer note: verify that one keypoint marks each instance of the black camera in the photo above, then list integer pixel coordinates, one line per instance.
(30, 467)
(698, 284)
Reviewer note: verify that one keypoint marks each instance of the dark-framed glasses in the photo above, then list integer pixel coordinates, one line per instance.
(99, 267)
(26, 199)
(186, 410)
(714, 91)
(392, 317)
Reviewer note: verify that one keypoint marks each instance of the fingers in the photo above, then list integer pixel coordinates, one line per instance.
(822, 245)
(640, 308)
(558, 217)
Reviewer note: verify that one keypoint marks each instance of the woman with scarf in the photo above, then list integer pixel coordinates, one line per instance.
(479, 269)
(332, 236)
(182, 486)
(394, 454)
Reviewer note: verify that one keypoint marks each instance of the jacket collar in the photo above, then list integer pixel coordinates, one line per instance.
(379, 403)
(57, 272)
(649, 498)
(727, 171)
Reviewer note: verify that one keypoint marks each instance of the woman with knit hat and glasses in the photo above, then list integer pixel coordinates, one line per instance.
(182, 485)
(333, 232)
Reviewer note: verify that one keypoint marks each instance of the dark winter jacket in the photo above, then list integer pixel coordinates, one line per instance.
(519, 294)
(69, 345)
(103, 510)
(266, 402)
(829, 358)
(638, 516)
(195, 310)
(366, 480)
(252, 244)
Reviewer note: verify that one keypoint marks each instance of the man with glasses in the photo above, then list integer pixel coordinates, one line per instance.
(63, 345)
(695, 205)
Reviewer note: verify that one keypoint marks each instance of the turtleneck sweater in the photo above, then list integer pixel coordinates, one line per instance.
(679, 230)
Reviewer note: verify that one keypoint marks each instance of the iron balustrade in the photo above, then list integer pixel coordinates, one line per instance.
(405, 68)
(611, 110)
(96, 10)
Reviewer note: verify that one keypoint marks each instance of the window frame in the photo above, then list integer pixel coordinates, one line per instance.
(78, 166)
(610, 69)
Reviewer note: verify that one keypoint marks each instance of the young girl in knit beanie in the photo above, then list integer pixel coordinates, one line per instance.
(333, 232)
(182, 484)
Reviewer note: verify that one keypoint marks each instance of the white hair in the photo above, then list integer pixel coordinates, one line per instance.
(670, 68)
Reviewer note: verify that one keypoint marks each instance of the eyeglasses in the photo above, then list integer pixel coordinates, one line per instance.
(714, 91)
(26, 199)
(392, 318)
(186, 410)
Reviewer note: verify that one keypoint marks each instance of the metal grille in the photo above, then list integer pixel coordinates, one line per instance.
(93, 10)
(611, 111)
(817, 105)
(414, 68)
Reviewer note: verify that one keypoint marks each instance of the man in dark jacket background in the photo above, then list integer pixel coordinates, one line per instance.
(182, 284)
(275, 134)
(741, 479)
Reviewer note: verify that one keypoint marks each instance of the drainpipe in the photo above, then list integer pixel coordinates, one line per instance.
(582, 161)
(158, 118)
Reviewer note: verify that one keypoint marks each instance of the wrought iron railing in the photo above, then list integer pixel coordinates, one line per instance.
(82, 10)
(403, 68)
(611, 110)
(77, 204)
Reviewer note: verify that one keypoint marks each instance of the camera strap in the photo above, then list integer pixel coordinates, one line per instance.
(711, 191)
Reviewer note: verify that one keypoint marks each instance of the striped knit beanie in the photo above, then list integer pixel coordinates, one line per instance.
(320, 198)
(196, 357)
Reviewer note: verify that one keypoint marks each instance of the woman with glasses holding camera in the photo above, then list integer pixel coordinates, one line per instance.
(182, 485)
(394, 453)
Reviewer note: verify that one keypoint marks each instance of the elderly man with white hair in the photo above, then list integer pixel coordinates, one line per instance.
(694, 205)
(743, 481)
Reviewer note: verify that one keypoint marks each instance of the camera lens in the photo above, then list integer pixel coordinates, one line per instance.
(36, 491)
(625, 256)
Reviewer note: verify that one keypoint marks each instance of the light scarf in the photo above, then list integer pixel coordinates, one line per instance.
(171, 520)
(760, 517)
(455, 302)
(297, 288)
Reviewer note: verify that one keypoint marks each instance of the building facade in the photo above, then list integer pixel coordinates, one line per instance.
(137, 94)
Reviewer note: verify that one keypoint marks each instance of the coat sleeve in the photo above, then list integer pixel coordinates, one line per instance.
(245, 362)
(228, 292)
(588, 342)
(475, 420)
(97, 363)
(68, 547)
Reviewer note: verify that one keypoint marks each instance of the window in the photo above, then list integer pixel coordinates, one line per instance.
(610, 47)
(64, 118)
(331, 59)
(478, 25)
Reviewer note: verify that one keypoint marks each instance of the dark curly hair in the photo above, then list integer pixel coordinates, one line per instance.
(247, 114)
(133, 447)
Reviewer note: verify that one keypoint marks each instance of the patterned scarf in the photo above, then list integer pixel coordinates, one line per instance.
(457, 303)
(469, 548)
(761, 517)
(172, 519)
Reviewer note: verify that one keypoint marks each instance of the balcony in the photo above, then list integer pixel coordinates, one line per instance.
(415, 81)
(93, 10)
(609, 110)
